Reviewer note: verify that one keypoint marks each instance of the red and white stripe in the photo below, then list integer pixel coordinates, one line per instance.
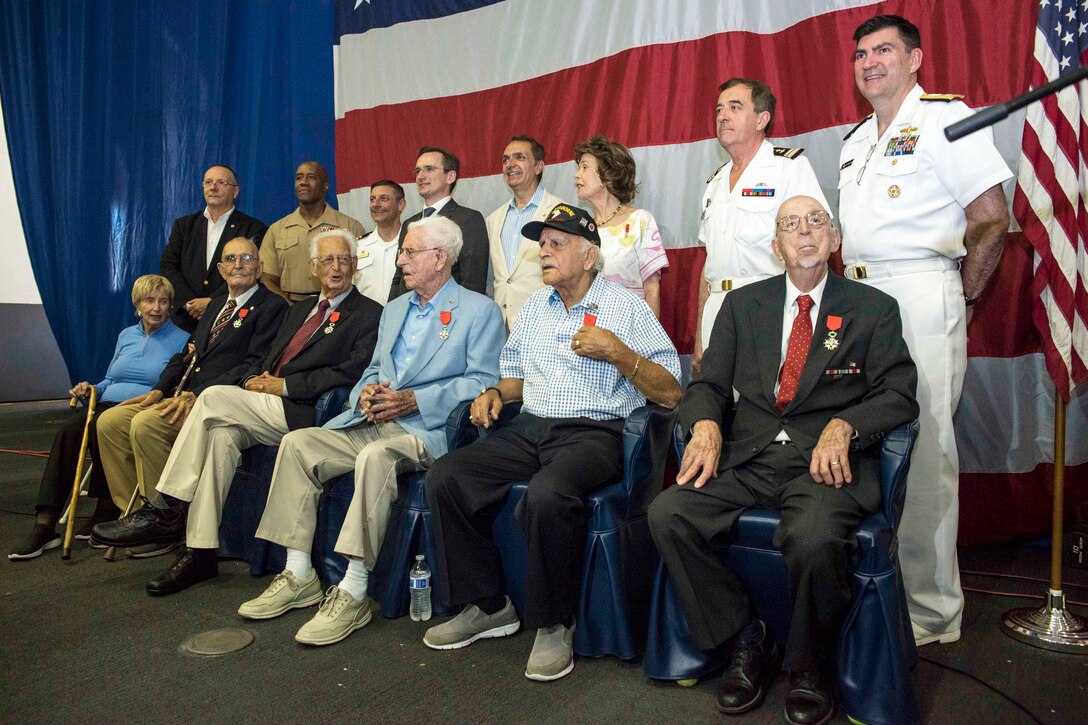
(1050, 206)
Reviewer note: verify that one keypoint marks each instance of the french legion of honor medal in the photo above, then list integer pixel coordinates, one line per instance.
(834, 322)
(445, 316)
(332, 322)
(241, 316)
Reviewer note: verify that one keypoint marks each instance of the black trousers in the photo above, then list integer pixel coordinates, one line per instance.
(564, 460)
(815, 537)
(60, 469)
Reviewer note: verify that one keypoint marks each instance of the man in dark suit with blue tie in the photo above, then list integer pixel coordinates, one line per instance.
(822, 372)
(436, 177)
(320, 346)
(196, 244)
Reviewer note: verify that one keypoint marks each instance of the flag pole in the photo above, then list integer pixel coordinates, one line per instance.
(1052, 626)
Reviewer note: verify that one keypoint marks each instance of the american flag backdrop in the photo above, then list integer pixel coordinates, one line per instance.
(1050, 193)
(467, 74)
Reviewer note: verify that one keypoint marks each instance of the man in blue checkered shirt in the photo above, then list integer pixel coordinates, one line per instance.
(583, 354)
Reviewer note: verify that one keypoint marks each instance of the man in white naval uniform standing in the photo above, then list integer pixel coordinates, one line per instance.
(924, 220)
(742, 198)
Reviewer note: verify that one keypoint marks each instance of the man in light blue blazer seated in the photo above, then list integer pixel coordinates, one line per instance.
(438, 345)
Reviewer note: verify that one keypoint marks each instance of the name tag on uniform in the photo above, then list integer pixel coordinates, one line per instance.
(758, 191)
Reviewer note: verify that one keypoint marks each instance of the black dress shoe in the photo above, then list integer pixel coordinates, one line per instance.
(810, 700)
(149, 525)
(191, 567)
(751, 668)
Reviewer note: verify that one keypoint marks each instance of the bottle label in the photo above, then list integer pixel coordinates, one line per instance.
(422, 583)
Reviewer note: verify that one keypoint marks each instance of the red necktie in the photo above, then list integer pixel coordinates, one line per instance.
(222, 320)
(308, 328)
(796, 353)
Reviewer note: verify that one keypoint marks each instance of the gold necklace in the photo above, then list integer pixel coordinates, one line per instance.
(602, 222)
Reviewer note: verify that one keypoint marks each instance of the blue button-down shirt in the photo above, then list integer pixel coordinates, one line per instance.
(421, 324)
(515, 220)
(559, 384)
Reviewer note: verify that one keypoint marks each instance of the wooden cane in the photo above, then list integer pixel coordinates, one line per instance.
(111, 552)
(79, 474)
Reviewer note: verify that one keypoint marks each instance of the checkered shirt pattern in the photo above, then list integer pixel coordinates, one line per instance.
(560, 384)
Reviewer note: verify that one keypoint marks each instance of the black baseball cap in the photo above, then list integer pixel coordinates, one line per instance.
(569, 219)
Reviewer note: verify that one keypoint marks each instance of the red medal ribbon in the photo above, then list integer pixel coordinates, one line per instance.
(589, 319)
(334, 317)
(445, 316)
(834, 322)
(243, 312)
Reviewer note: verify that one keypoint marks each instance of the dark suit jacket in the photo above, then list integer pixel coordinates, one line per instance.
(240, 345)
(745, 353)
(470, 270)
(184, 261)
(328, 359)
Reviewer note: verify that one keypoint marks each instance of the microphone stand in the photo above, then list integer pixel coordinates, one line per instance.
(1051, 626)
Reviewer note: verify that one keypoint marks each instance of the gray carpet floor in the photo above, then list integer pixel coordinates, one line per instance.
(80, 642)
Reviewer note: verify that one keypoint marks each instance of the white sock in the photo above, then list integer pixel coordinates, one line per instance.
(298, 563)
(354, 581)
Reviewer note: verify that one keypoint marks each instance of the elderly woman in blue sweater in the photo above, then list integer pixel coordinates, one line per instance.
(139, 357)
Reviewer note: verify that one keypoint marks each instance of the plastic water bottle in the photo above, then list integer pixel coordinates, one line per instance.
(419, 586)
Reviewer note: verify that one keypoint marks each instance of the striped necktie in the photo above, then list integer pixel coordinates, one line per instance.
(223, 319)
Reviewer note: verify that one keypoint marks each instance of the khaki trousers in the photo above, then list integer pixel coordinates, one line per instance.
(135, 443)
(311, 456)
(225, 421)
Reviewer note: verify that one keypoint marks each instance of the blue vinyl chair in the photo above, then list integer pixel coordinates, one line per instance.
(245, 502)
(876, 645)
(620, 557)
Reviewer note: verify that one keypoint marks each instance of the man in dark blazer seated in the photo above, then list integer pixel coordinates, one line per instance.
(436, 177)
(196, 244)
(235, 335)
(822, 372)
(320, 346)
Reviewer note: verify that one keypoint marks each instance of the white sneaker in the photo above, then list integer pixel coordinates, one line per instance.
(340, 615)
(285, 592)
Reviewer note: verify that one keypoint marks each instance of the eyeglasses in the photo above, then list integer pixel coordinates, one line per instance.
(209, 183)
(328, 260)
(243, 258)
(411, 253)
(861, 171)
(815, 220)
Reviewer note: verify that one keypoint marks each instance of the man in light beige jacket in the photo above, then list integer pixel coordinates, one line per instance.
(515, 260)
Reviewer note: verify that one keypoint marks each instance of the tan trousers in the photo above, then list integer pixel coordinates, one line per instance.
(134, 443)
(225, 421)
(308, 457)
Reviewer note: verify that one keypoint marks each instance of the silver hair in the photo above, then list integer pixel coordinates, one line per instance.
(443, 232)
(598, 263)
(348, 237)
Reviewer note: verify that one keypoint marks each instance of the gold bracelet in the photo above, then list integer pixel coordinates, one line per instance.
(638, 359)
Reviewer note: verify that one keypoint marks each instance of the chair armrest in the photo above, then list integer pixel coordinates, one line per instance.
(330, 404)
(459, 432)
(647, 435)
(895, 451)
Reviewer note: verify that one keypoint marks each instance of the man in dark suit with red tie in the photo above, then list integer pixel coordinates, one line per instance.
(196, 244)
(235, 335)
(822, 373)
(320, 346)
(436, 177)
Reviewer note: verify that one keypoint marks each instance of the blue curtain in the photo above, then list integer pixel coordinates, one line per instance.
(114, 109)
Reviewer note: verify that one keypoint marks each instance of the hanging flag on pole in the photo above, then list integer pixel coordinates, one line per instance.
(1049, 202)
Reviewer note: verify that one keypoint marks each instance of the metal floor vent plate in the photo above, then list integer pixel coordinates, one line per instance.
(218, 642)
